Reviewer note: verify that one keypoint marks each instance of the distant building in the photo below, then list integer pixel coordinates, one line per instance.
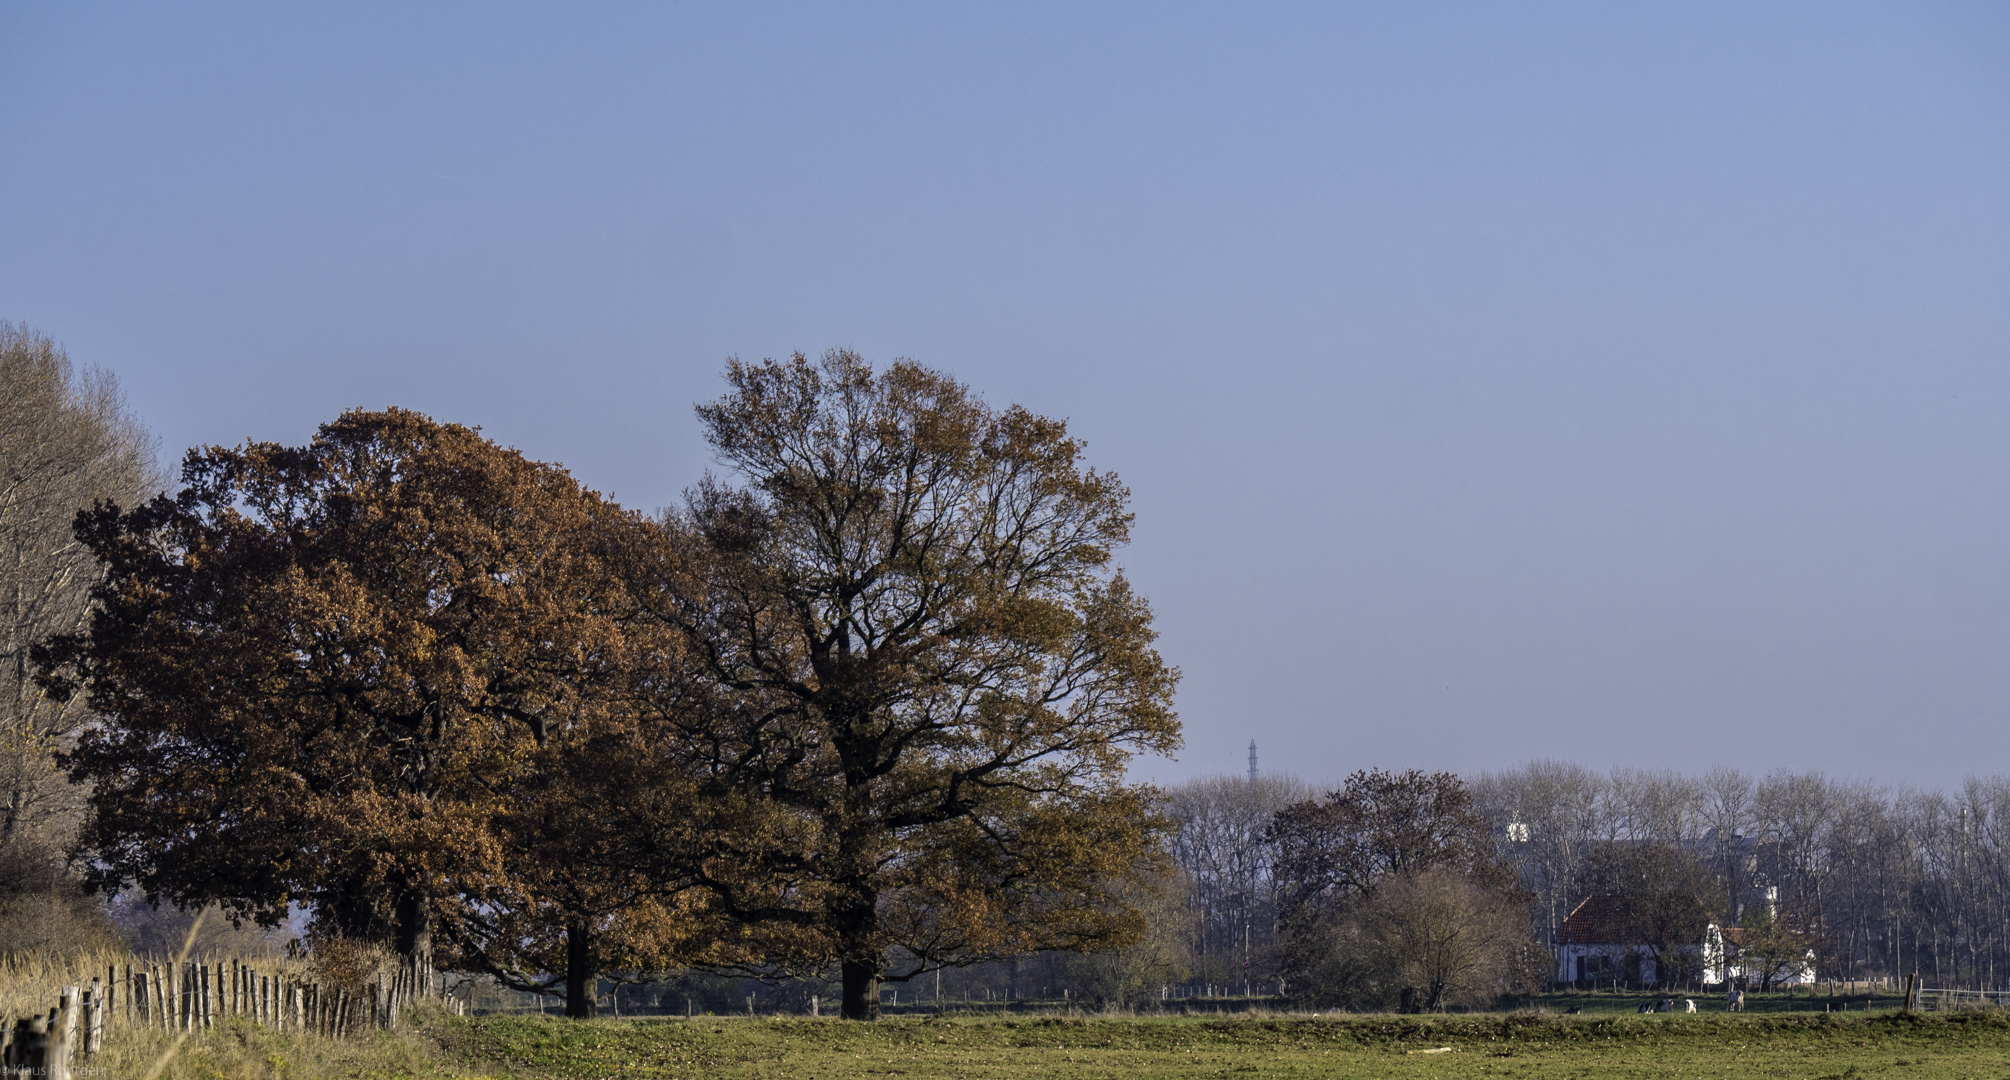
(1721, 945)
(1592, 944)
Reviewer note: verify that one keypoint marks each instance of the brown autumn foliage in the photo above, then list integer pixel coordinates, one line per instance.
(876, 704)
(332, 674)
(598, 832)
(927, 676)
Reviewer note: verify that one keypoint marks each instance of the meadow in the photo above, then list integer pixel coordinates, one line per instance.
(1780, 1036)
(1500, 1045)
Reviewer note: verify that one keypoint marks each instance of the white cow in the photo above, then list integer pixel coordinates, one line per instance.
(1691, 1005)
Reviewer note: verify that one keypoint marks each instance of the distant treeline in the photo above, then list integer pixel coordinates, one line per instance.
(1882, 881)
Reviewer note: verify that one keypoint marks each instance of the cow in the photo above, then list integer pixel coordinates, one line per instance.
(1691, 1005)
(1735, 1000)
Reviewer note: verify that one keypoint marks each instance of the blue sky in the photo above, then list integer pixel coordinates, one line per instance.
(1625, 383)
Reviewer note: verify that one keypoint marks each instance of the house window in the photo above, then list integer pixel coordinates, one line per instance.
(1593, 967)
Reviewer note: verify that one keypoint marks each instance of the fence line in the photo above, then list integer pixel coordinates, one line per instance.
(179, 996)
(193, 997)
(45, 1047)
(1950, 998)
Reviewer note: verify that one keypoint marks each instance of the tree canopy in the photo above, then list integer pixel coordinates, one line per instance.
(871, 708)
(928, 672)
(327, 673)
(1393, 894)
(1376, 825)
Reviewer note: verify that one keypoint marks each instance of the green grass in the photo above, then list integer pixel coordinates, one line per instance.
(1771, 1004)
(1502, 1045)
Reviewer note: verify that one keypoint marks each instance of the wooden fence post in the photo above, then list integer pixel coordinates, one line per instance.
(27, 1048)
(94, 1019)
(63, 1034)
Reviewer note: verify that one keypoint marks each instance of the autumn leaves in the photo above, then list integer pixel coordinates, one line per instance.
(865, 714)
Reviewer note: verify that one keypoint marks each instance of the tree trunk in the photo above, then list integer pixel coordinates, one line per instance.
(857, 924)
(854, 915)
(582, 975)
(415, 923)
(861, 990)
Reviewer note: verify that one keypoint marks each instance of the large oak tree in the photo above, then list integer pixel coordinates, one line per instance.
(928, 675)
(331, 675)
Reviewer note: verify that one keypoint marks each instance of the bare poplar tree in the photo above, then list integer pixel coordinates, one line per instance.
(67, 440)
(1220, 845)
(1547, 818)
(1885, 882)
(1797, 814)
(1656, 806)
(1728, 822)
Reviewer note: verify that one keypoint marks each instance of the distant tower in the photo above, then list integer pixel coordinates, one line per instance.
(1252, 761)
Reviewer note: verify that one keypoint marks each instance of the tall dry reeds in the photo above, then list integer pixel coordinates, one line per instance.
(30, 983)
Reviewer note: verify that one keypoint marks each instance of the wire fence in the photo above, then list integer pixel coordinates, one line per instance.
(1949, 999)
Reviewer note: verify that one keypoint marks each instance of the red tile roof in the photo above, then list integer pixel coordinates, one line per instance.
(1599, 920)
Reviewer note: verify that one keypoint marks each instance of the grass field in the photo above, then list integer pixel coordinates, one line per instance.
(1770, 1004)
(1515, 1045)
(1780, 1036)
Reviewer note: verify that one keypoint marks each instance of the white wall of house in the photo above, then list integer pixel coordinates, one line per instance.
(1587, 963)
(1717, 971)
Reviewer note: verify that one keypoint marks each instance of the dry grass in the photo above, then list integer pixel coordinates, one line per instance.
(32, 983)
